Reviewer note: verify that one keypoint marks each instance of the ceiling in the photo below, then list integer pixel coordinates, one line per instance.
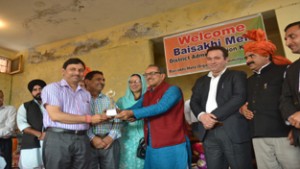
(29, 23)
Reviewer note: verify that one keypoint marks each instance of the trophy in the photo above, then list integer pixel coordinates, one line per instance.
(111, 111)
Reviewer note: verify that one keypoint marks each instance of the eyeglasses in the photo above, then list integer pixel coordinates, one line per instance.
(134, 82)
(150, 74)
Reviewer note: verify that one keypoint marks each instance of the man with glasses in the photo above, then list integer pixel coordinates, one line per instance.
(162, 108)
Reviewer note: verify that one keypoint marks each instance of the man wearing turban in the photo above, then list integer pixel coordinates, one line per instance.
(30, 122)
(269, 131)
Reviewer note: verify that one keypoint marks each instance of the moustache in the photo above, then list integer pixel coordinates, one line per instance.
(249, 63)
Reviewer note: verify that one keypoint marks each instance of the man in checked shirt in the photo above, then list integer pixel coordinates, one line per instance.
(103, 136)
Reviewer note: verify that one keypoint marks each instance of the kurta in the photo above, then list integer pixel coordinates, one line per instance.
(31, 148)
(132, 132)
(171, 155)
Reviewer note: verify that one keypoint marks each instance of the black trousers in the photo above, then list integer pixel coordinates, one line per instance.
(6, 151)
(221, 152)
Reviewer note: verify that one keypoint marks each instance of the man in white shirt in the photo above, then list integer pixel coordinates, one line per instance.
(30, 122)
(215, 101)
(7, 127)
(2, 163)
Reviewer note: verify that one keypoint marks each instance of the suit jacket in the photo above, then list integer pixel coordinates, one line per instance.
(231, 95)
(290, 97)
(290, 101)
(264, 91)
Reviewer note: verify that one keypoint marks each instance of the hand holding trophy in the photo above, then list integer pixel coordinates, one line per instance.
(111, 111)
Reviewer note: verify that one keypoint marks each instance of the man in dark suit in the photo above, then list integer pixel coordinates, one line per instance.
(215, 101)
(268, 129)
(290, 98)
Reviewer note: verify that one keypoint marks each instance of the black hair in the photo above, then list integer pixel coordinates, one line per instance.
(136, 75)
(34, 82)
(91, 74)
(73, 61)
(224, 51)
(292, 24)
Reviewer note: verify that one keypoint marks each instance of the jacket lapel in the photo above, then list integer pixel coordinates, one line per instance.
(206, 88)
(297, 73)
(221, 82)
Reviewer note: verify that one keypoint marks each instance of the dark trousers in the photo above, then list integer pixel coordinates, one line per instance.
(221, 152)
(106, 158)
(66, 151)
(6, 151)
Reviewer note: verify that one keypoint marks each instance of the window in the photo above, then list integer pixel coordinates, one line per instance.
(11, 66)
(3, 64)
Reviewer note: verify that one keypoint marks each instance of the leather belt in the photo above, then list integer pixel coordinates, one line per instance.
(60, 130)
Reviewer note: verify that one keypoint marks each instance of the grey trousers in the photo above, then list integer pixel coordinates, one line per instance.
(66, 151)
(276, 153)
(106, 158)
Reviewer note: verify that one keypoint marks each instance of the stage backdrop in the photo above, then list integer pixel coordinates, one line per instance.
(185, 52)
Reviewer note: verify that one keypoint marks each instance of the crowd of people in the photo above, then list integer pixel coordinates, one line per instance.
(66, 125)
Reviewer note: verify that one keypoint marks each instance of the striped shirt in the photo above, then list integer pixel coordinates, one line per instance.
(111, 127)
(72, 102)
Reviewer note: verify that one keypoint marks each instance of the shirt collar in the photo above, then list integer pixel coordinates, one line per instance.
(64, 83)
(259, 71)
(210, 74)
(101, 95)
(36, 101)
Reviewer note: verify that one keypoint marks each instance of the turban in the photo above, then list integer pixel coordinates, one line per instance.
(263, 47)
(86, 71)
(32, 83)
